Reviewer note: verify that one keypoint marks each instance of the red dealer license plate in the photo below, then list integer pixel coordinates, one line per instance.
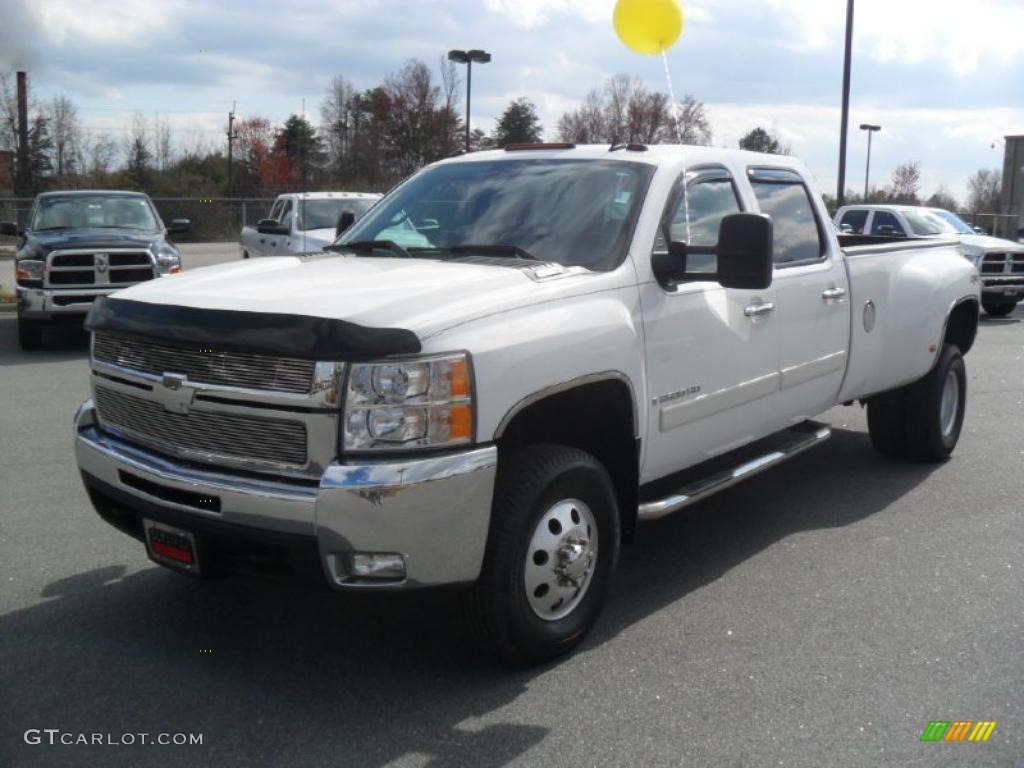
(171, 546)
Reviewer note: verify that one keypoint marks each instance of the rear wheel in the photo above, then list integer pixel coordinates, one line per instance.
(551, 551)
(998, 308)
(935, 407)
(30, 334)
(245, 254)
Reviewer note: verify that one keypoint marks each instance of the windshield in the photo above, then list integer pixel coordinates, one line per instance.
(954, 222)
(323, 214)
(104, 211)
(573, 212)
(925, 224)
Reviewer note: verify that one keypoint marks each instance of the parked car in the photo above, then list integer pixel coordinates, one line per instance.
(1000, 262)
(303, 222)
(81, 245)
(516, 357)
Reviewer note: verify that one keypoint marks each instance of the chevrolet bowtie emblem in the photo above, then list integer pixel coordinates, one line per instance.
(176, 394)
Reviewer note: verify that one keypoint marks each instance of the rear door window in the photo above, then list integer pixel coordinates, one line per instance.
(855, 220)
(798, 235)
(885, 223)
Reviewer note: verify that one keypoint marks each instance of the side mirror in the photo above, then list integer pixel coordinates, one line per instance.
(744, 255)
(345, 220)
(979, 230)
(10, 228)
(271, 227)
(179, 225)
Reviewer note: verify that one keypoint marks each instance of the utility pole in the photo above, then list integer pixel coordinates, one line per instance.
(231, 140)
(23, 179)
(841, 186)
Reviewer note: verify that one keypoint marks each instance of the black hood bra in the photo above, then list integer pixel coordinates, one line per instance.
(267, 333)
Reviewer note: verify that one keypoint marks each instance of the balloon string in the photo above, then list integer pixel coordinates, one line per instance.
(674, 107)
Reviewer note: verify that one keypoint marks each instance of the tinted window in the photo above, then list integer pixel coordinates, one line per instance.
(881, 223)
(323, 214)
(709, 201)
(81, 211)
(286, 211)
(855, 220)
(566, 211)
(794, 224)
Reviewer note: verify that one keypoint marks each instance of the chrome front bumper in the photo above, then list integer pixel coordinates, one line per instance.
(434, 511)
(45, 303)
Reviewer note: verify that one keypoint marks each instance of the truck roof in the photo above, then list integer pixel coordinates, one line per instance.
(331, 195)
(74, 192)
(652, 154)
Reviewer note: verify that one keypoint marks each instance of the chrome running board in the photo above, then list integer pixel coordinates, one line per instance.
(797, 440)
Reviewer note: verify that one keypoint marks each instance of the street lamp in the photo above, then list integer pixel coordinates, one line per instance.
(867, 168)
(467, 58)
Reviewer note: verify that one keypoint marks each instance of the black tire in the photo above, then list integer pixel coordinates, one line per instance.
(30, 334)
(926, 439)
(998, 308)
(887, 423)
(529, 484)
(245, 254)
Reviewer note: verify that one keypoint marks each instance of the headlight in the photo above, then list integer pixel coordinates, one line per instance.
(168, 264)
(404, 404)
(28, 269)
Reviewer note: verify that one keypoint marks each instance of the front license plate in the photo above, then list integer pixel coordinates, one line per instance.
(1010, 292)
(171, 546)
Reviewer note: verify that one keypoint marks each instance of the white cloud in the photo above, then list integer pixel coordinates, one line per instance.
(959, 35)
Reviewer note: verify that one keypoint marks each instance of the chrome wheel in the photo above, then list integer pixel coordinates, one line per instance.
(560, 559)
(950, 403)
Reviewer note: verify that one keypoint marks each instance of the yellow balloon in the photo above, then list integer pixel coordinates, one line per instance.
(648, 26)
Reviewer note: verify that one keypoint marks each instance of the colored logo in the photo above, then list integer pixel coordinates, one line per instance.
(958, 730)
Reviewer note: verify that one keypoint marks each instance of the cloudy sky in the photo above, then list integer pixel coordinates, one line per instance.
(944, 79)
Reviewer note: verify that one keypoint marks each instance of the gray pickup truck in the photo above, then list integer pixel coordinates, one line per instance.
(83, 244)
(303, 222)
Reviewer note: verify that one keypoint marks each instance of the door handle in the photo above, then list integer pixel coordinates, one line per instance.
(755, 310)
(832, 294)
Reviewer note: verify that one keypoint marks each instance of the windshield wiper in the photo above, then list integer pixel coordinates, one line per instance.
(367, 247)
(493, 250)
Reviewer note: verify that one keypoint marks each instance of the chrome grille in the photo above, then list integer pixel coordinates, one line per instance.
(1003, 263)
(201, 434)
(84, 268)
(234, 369)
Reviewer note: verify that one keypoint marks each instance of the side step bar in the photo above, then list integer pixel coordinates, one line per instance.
(799, 438)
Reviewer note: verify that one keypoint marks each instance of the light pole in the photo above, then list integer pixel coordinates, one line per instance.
(867, 166)
(841, 183)
(467, 58)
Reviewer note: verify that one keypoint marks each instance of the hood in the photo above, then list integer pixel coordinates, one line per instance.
(425, 296)
(93, 238)
(979, 243)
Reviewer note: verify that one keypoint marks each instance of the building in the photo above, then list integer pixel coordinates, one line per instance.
(1012, 199)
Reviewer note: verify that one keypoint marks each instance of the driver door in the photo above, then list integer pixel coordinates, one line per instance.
(712, 373)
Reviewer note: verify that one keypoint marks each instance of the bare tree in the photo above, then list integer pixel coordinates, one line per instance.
(162, 143)
(138, 155)
(906, 181)
(66, 133)
(983, 191)
(585, 125)
(694, 125)
(335, 122)
(102, 154)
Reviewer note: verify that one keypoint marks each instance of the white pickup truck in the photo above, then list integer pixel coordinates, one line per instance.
(1000, 262)
(511, 361)
(303, 222)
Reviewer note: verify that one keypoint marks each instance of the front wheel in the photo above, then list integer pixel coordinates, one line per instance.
(30, 334)
(998, 308)
(551, 551)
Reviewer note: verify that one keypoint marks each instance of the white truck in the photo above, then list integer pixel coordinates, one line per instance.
(303, 222)
(1000, 262)
(511, 361)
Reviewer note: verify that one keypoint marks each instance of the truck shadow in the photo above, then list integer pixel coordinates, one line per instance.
(275, 676)
(60, 343)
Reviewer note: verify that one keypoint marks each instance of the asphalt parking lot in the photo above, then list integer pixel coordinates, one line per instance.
(818, 615)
